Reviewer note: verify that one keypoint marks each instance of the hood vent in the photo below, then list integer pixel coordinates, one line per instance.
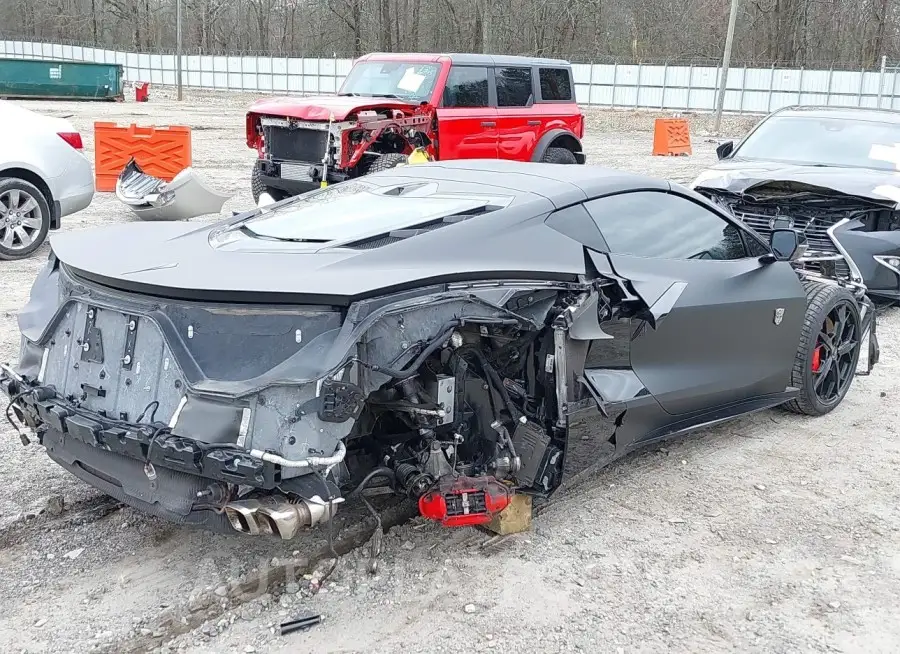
(397, 235)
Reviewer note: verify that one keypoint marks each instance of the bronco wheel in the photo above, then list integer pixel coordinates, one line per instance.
(829, 350)
(559, 156)
(386, 161)
(258, 188)
(24, 218)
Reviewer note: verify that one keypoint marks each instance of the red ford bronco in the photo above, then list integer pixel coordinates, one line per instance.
(460, 106)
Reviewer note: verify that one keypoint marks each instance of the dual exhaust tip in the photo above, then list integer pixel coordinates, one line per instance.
(277, 515)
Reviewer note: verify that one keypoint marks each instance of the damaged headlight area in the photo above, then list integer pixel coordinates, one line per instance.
(260, 418)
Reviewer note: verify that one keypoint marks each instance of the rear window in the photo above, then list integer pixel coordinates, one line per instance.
(467, 86)
(514, 87)
(556, 84)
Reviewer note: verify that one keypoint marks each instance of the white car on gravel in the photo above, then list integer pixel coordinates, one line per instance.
(44, 176)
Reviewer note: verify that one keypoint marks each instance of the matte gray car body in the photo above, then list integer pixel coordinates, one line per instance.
(240, 324)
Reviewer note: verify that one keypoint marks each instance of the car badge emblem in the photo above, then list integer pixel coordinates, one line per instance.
(779, 315)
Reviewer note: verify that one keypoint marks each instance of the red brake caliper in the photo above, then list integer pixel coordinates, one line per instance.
(817, 359)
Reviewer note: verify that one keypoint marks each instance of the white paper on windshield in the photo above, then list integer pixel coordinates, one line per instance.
(889, 153)
(411, 81)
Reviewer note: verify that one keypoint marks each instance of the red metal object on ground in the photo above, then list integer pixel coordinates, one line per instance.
(465, 501)
(142, 91)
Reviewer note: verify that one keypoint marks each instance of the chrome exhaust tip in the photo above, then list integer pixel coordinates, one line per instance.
(278, 515)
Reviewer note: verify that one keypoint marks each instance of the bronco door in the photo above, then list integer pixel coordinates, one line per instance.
(721, 327)
(467, 115)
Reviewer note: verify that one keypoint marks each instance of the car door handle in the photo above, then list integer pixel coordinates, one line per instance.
(534, 123)
(488, 123)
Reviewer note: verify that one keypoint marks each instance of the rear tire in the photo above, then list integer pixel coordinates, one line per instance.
(24, 218)
(559, 156)
(386, 162)
(830, 343)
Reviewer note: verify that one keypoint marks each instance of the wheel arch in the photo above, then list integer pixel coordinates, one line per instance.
(33, 178)
(557, 138)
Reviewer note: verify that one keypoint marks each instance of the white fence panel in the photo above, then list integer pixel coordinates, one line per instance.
(627, 86)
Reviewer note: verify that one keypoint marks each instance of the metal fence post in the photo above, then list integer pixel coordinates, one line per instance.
(637, 88)
(862, 79)
(771, 84)
(743, 86)
(881, 79)
(687, 103)
(662, 96)
(612, 99)
(828, 89)
(800, 87)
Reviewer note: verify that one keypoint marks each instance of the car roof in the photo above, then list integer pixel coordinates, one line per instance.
(561, 184)
(870, 114)
(468, 59)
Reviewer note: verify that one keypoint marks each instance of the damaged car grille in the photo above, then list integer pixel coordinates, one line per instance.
(295, 144)
(812, 219)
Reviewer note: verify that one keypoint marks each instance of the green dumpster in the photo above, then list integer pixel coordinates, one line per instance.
(60, 80)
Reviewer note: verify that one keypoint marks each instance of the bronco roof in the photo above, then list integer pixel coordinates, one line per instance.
(466, 59)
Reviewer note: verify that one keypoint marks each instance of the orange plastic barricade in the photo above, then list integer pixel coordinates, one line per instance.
(671, 136)
(162, 152)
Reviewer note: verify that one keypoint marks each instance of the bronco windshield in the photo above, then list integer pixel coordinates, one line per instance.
(808, 140)
(402, 80)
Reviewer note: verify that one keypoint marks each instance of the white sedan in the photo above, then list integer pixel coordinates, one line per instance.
(44, 176)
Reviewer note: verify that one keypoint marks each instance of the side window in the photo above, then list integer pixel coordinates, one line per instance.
(664, 226)
(467, 86)
(514, 87)
(556, 84)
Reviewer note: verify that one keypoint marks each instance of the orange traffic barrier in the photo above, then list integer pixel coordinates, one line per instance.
(161, 152)
(671, 136)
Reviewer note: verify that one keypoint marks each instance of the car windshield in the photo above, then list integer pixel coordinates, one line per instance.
(403, 80)
(825, 141)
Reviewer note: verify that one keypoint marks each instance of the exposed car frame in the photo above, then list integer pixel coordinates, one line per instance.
(297, 360)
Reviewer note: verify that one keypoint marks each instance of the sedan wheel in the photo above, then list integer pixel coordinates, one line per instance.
(24, 218)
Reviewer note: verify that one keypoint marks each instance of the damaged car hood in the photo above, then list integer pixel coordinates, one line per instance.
(743, 176)
(324, 107)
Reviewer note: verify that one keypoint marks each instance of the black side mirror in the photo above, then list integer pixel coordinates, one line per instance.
(784, 243)
(725, 149)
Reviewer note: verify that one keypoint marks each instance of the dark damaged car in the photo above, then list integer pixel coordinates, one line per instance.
(832, 174)
(437, 326)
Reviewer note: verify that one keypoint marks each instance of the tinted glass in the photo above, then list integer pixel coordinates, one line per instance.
(830, 141)
(664, 226)
(514, 88)
(391, 79)
(555, 84)
(467, 86)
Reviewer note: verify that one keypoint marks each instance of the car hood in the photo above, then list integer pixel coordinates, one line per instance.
(323, 107)
(745, 176)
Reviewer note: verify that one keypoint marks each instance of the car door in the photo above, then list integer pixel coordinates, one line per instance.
(721, 327)
(518, 124)
(467, 117)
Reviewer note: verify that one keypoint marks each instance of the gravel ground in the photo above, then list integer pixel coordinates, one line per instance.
(774, 533)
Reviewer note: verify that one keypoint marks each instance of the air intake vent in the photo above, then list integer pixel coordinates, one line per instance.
(398, 235)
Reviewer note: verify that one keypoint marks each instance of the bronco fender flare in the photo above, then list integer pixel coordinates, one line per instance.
(564, 138)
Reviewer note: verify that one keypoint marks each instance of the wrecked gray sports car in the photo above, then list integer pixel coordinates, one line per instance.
(435, 325)
(831, 174)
